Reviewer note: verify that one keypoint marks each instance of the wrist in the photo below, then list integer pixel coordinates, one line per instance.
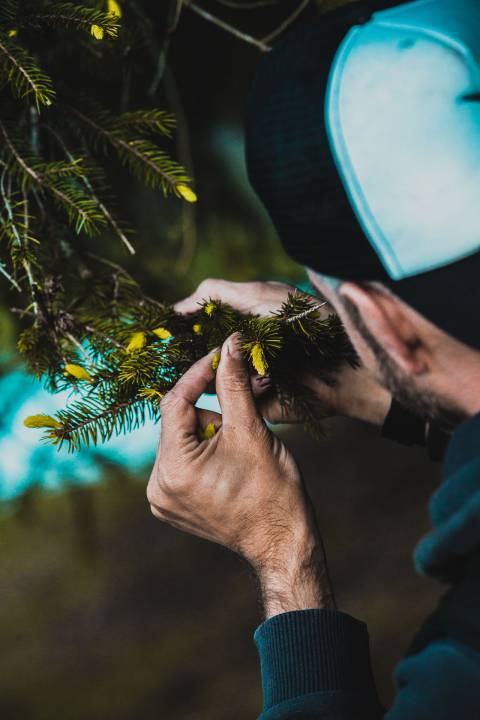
(296, 579)
(360, 397)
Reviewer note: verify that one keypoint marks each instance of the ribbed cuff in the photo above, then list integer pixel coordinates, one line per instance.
(312, 651)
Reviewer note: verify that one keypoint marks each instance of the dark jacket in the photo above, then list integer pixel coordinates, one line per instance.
(316, 663)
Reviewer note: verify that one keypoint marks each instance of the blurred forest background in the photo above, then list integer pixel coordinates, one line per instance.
(107, 614)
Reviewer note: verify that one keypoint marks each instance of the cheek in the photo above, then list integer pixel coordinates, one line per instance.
(361, 346)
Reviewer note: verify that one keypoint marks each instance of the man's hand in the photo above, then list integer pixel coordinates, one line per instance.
(259, 298)
(356, 394)
(241, 488)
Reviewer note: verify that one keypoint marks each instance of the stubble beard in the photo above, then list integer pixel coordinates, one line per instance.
(437, 409)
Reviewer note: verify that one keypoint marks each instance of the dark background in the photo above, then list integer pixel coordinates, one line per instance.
(105, 613)
(108, 614)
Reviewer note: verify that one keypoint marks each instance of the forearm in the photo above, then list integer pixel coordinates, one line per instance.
(315, 661)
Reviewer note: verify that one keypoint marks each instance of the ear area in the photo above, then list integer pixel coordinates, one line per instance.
(387, 320)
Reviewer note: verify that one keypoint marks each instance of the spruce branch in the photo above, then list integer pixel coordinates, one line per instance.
(231, 29)
(68, 16)
(19, 70)
(110, 219)
(248, 5)
(8, 12)
(61, 181)
(153, 346)
(145, 160)
(153, 120)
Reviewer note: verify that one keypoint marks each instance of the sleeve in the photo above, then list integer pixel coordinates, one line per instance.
(405, 427)
(316, 664)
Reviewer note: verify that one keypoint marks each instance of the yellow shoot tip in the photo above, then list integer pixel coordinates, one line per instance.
(151, 394)
(258, 359)
(137, 342)
(210, 308)
(114, 8)
(77, 371)
(209, 432)
(186, 193)
(197, 329)
(41, 421)
(216, 361)
(12, 33)
(97, 32)
(162, 333)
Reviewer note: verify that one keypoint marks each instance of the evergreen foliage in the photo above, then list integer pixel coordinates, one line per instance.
(88, 326)
(128, 365)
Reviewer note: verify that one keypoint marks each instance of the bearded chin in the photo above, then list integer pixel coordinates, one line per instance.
(445, 414)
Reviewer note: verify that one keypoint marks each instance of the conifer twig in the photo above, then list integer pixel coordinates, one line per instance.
(102, 207)
(286, 23)
(133, 149)
(305, 313)
(231, 29)
(78, 345)
(253, 5)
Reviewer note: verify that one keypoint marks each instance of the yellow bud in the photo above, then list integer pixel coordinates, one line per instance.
(114, 8)
(78, 372)
(162, 333)
(210, 308)
(216, 361)
(258, 359)
(41, 421)
(186, 193)
(209, 432)
(151, 394)
(197, 329)
(12, 33)
(97, 32)
(137, 342)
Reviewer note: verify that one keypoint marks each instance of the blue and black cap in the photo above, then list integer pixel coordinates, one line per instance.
(363, 142)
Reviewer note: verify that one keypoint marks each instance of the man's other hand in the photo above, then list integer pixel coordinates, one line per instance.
(259, 298)
(355, 394)
(241, 488)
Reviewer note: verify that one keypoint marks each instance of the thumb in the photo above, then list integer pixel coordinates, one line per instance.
(233, 386)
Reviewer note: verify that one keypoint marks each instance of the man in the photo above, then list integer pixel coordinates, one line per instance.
(383, 193)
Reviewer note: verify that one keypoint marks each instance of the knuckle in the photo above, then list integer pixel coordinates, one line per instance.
(211, 286)
(236, 384)
(151, 491)
(156, 512)
(170, 400)
(174, 484)
(207, 284)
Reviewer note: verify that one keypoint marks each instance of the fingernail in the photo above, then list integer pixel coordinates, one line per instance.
(262, 380)
(233, 346)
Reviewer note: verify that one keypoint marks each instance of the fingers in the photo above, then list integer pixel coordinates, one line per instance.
(260, 385)
(178, 406)
(212, 288)
(233, 386)
(189, 304)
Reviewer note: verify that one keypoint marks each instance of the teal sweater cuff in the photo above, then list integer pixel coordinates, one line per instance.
(314, 651)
